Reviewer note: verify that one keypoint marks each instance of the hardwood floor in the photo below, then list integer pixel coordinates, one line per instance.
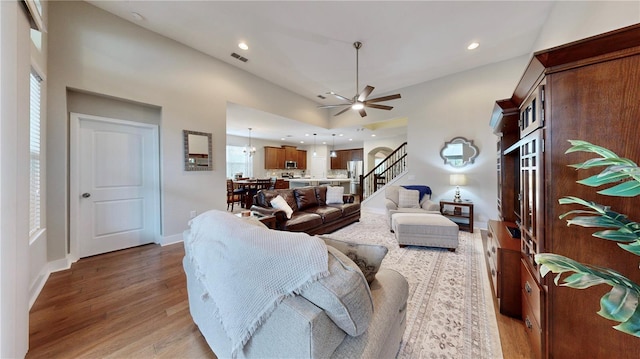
(133, 304)
(125, 304)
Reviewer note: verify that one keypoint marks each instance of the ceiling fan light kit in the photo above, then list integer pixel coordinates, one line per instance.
(360, 101)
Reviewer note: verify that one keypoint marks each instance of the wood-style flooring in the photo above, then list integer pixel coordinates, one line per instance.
(133, 304)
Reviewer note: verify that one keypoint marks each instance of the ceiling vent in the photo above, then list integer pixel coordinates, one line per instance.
(241, 58)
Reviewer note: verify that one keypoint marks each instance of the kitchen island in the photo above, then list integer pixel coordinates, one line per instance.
(301, 182)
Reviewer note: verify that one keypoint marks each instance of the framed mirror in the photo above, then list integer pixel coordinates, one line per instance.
(459, 152)
(198, 151)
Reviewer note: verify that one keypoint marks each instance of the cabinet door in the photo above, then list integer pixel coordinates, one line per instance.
(532, 197)
(290, 153)
(357, 154)
(302, 159)
(273, 158)
(532, 112)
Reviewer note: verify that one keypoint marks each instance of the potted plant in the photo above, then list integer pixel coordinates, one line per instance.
(621, 302)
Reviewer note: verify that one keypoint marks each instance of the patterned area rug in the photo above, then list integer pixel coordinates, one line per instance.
(450, 311)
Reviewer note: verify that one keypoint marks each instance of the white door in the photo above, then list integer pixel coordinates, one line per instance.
(115, 186)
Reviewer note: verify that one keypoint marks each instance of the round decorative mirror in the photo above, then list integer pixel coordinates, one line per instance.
(459, 152)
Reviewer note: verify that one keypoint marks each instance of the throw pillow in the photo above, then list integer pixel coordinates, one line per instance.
(368, 257)
(334, 195)
(344, 294)
(279, 203)
(408, 198)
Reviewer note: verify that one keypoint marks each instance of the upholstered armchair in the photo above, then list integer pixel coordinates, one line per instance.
(408, 199)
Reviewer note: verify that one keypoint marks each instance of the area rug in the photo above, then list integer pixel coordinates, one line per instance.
(450, 310)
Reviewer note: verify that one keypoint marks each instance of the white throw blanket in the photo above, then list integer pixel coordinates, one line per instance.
(248, 269)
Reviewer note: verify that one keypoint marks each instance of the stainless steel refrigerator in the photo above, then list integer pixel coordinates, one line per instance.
(354, 170)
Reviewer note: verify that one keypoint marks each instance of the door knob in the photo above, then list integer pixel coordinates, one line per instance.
(86, 195)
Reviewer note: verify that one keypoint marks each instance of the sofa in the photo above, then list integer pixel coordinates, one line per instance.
(339, 314)
(408, 199)
(312, 212)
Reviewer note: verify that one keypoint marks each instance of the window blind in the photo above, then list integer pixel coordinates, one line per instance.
(34, 153)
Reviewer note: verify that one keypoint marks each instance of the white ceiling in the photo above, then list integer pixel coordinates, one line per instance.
(307, 46)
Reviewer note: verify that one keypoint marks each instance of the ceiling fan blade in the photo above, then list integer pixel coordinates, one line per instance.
(380, 107)
(343, 111)
(363, 113)
(337, 105)
(366, 92)
(383, 98)
(340, 96)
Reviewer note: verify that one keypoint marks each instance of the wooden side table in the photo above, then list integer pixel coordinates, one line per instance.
(459, 212)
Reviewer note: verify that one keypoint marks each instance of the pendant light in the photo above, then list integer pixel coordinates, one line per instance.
(250, 150)
(333, 147)
(314, 146)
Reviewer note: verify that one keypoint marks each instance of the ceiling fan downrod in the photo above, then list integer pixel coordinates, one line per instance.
(357, 45)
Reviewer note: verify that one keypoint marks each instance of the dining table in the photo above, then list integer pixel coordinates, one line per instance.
(251, 187)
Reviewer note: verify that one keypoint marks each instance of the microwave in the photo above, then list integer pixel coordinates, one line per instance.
(290, 164)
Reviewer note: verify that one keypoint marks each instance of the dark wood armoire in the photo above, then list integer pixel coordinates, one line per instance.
(585, 90)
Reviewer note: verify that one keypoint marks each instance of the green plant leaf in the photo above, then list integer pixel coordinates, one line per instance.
(632, 325)
(584, 146)
(632, 247)
(625, 189)
(617, 236)
(600, 179)
(619, 304)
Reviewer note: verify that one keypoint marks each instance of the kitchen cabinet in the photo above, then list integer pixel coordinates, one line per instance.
(290, 153)
(302, 159)
(343, 156)
(274, 157)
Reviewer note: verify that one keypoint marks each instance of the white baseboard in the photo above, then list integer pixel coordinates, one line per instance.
(43, 276)
(176, 238)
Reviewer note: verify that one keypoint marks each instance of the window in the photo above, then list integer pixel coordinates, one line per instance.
(239, 162)
(34, 153)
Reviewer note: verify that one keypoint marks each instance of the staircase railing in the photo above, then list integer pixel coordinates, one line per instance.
(392, 166)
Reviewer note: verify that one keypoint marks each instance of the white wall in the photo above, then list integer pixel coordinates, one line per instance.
(92, 50)
(452, 106)
(572, 20)
(14, 180)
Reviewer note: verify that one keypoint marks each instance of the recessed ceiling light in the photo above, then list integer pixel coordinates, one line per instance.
(282, 139)
(373, 135)
(243, 46)
(136, 16)
(473, 45)
(351, 139)
(306, 134)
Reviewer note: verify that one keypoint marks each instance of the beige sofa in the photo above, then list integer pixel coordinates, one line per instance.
(393, 204)
(372, 325)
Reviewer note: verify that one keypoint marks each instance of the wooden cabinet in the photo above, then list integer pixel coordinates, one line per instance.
(290, 153)
(504, 122)
(502, 255)
(587, 90)
(302, 159)
(274, 157)
(343, 156)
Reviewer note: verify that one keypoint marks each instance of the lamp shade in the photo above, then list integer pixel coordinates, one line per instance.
(457, 179)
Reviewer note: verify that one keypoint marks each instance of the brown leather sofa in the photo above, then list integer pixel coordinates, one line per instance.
(311, 213)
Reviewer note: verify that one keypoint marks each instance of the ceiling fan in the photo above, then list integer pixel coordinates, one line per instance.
(360, 101)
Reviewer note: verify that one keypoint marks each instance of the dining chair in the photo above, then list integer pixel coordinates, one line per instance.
(234, 195)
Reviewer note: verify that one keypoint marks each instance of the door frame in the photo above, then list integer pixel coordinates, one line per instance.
(74, 176)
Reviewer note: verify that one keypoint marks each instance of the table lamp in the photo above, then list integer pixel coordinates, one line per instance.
(457, 179)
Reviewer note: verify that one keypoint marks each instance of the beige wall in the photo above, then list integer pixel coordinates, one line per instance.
(94, 51)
